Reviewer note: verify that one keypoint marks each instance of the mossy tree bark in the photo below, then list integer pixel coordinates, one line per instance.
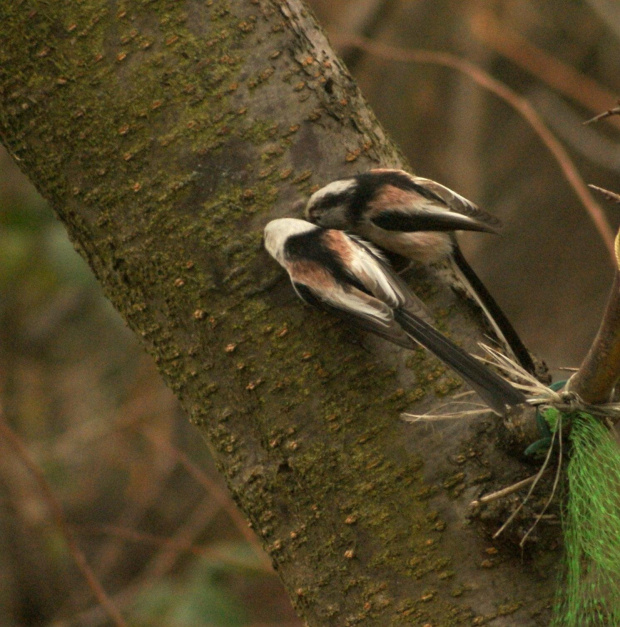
(165, 135)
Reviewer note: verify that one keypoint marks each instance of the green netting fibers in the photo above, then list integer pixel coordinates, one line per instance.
(589, 594)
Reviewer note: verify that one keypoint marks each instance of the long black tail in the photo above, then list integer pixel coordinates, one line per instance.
(494, 313)
(495, 391)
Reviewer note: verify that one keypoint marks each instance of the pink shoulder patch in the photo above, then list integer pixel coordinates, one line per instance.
(312, 274)
(391, 197)
(340, 244)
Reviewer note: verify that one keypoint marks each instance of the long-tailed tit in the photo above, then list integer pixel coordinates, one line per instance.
(346, 276)
(415, 218)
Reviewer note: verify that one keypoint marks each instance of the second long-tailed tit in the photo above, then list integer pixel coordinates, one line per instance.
(414, 217)
(346, 276)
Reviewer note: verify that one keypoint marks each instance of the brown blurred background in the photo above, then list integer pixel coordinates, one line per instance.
(138, 488)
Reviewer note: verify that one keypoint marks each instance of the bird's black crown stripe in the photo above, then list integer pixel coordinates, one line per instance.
(329, 201)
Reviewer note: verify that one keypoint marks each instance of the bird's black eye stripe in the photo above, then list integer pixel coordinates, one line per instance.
(331, 200)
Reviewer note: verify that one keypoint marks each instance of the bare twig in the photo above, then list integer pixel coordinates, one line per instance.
(566, 122)
(149, 402)
(605, 114)
(57, 512)
(517, 102)
(187, 533)
(164, 560)
(611, 196)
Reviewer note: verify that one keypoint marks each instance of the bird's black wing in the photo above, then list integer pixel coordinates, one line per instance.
(410, 220)
(425, 205)
(458, 204)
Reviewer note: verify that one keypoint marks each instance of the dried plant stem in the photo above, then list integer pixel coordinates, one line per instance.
(556, 482)
(537, 478)
(609, 195)
(494, 496)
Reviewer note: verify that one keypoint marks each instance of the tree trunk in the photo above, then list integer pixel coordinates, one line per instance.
(165, 135)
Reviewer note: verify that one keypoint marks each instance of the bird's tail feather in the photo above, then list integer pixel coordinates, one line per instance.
(500, 323)
(494, 390)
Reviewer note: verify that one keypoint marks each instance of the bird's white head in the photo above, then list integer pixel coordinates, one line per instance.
(278, 231)
(328, 206)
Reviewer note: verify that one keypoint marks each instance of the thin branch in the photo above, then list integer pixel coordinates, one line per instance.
(187, 533)
(567, 123)
(148, 401)
(605, 114)
(163, 561)
(160, 564)
(58, 515)
(155, 401)
(611, 196)
(517, 102)
(151, 402)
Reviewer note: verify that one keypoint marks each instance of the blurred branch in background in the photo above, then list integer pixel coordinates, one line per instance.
(517, 102)
(167, 553)
(57, 512)
(561, 80)
(365, 19)
(557, 75)
(219, 495)
(609, 12)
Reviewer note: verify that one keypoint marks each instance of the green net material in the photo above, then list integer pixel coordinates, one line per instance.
(589, 594)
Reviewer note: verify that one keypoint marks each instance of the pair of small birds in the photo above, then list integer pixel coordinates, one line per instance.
(342, 272)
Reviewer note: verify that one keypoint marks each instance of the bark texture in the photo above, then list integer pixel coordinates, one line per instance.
(165, 135)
